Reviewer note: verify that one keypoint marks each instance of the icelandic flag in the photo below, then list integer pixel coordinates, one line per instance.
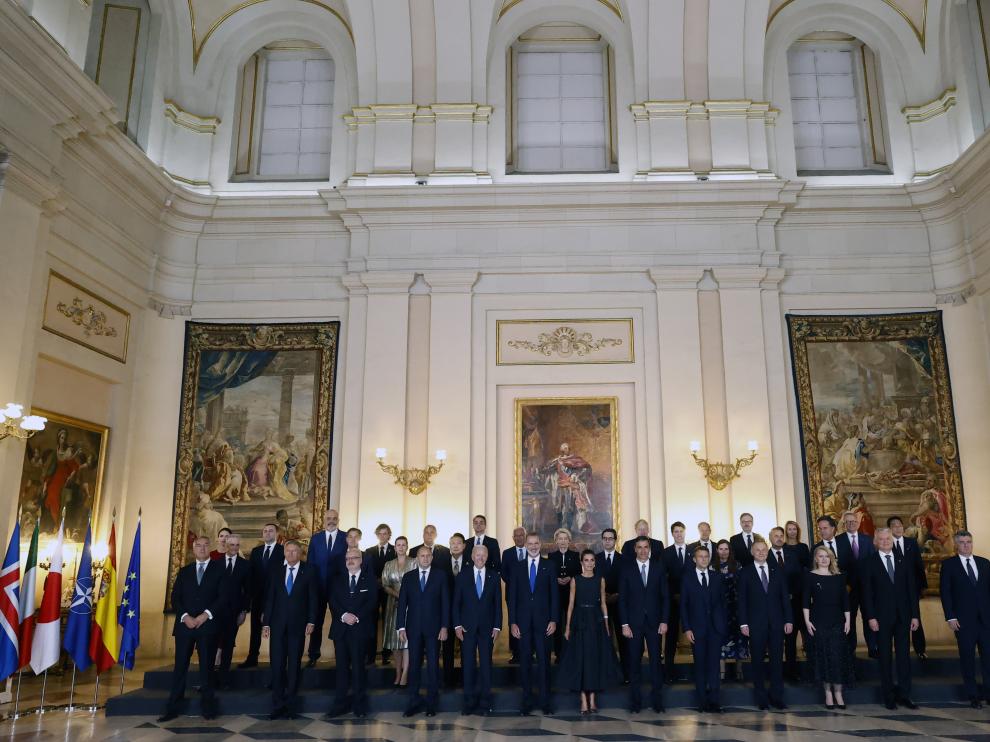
(77, 629)
(129, 615)
(10, 610)
(47, 644)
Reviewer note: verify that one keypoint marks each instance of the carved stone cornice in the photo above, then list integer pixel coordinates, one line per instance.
(955, 298)
(676, 278)
(170, 311)
(451, 282)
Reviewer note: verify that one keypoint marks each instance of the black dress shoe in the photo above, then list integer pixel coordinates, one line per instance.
(890, 705)
(659, 708)
(312, 662)
(209, 715)
(431, 712)
(779, 705)
(975, 703)
(524, 711)
(276, 714)
(764, 707)
(410, 712)
(360, 714)
(548, 710)
(247, 664)
(714, 708)
(908, 704)
(922, 655)
(167, 716)
(701, 709)
(635, 708)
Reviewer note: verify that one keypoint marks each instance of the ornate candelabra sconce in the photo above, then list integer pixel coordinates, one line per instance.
(718, 474)
(414, 481)
(15, 424)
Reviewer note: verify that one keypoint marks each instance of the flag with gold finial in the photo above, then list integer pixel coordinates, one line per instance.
(104, 642)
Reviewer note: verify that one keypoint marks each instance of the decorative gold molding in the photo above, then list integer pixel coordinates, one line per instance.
(935, 107)
(612, 5)
(122, 358)
(565, 341)
(89, 318)
(187, 181)
(703, 110)
(919, 33)
(181, 117)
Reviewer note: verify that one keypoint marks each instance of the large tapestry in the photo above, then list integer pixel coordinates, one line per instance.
(567, 470)
(877, 427)
(254, 433)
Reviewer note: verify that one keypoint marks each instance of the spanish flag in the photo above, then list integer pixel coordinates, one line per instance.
(104, 642)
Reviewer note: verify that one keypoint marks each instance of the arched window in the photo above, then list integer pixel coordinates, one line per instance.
(836, 105)
(561, 102)
(285, 113)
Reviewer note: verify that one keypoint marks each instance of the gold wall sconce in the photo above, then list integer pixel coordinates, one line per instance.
(15, 424)
(414, 481)
(718, 474)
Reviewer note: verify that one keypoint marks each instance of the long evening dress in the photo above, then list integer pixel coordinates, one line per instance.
(392, 577)
(588, 663)
(828, 600)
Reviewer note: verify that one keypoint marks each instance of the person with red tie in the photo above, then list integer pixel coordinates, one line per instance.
(965, 590)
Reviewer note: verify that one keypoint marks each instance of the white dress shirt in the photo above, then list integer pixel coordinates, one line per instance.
(639, 568)
(971, 560)
(332, 537)
(702, 573)
(204, 565)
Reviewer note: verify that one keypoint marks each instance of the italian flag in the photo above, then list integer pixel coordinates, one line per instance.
(47, 644)
(27, 600)
(104, 642)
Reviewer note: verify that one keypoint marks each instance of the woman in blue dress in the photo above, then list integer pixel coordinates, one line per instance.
(736, 647)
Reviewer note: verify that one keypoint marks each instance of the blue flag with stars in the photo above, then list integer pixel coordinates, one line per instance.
(77, 629)
(129, 615)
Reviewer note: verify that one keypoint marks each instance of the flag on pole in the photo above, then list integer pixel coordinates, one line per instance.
(80, 621)
(47, 645)
(27, 600)
(103, 642)
(129, 615)
(10, 607)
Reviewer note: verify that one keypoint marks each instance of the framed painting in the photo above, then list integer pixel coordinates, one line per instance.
(254, 433)
(63, 468)
(567, 466)
(878, 431)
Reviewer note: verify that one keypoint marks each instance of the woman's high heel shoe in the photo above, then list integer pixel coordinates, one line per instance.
(830, 706)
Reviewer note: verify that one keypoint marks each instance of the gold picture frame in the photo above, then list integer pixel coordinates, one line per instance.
(88, 320)
(590, 428)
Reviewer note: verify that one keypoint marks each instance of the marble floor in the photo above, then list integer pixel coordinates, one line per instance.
(942, 722)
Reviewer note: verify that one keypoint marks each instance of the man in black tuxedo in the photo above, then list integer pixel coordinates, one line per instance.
(644, 605)
(608, 566)
(481, 538)
(379, 554)
(459, 560)
(237, 571)
(642, 529)
(422, 619)
(533, 611)
(890, 608)
(675, 563)
(743, 541)
(566, 563)
(292, 600)
(765, 617)
(202, 605)
(705, 621)
(326, 547)
(857, 547)
(965, 590)
(264, 557)
(441, 554)
(512, 555)
(907, 548)
(786, 557)
(477, 619)
(353, 605)
(704, 538)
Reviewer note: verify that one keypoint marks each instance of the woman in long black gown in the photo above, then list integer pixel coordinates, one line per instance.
(826, 614)
(589, 664)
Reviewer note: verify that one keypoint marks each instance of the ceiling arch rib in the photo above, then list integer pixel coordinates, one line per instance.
(914, 13)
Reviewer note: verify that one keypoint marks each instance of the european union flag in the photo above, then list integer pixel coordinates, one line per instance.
(129, 615)
(76, 641)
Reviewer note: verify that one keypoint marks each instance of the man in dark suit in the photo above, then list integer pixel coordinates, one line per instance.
(533, 610)
(459, 561)
(703, 616)
(291, 603)
(324, 547)
(704, 538)
(512, 555)
(765, 617)
(423, 617)
(890, 608)
(566, 564)
(264, 557)
(237, 571)
(477, 619)
(480, 525)
(786, 557)
(441, 554)
(379, 554)
(352, 540)
(907, 548)
(743, 541)
(675, 563)
(644, 605)
(860, 547)
(353, 605)
(608, 566)
(202, 605)
(965, 590)
(642, 529)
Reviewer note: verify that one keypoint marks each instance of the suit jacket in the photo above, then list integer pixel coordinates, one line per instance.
(880, 598)
(240, 587)
(793, 567)
(338, 566)
(912, 555)
(211, 594)
(377, 561)
(643, 608)
(960, 600)
(703, 611)
(260, 571)
(465, 564)
(424, 611)
(476, 614)
(292, 612)
(695, 544)
(566, 564)
(509, 560)
(537, 607)
(629, 548)
(742, 555)
(844, 558)
(494, 554)
(362, 603)
(441, 556)
(610, 574)
(866, 548)
(321, 557)
(672, 566)
(763, 611)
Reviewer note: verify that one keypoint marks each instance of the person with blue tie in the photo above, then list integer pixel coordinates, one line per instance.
(353, 605)
(965, 590)
(325, 547)
(477, 618)
(703, 618)
(510, 557)
(422, 620)
(533, 610)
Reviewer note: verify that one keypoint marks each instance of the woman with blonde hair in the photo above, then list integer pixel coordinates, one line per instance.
(826, 614)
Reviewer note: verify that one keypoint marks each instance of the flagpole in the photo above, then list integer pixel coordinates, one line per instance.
(17, 698)
(44, 686)
(121, 680)
(72, 690)
(96, 693)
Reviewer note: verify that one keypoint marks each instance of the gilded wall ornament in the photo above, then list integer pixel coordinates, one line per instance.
(89, 318)
(565, 342)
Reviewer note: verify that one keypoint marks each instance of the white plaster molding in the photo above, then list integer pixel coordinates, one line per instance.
(170, 311)
(935, 107)
(676, 278)
(451, 282)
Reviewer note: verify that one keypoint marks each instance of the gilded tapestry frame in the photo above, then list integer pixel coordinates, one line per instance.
(926, 326)
(321, 337)
(613, 406)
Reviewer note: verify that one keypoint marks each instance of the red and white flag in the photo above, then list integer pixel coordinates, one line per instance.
(47, 643)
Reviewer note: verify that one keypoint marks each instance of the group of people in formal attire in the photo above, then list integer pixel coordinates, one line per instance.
(597, 613)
